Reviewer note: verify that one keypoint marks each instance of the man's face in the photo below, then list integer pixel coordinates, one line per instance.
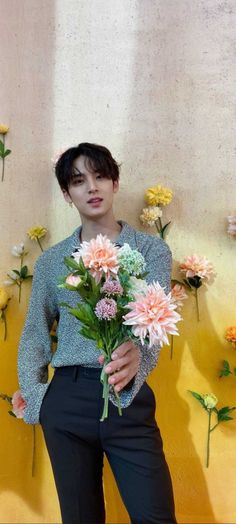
(91, 193)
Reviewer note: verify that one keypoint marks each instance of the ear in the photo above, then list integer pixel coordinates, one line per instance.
(67, 196)
(116, 186)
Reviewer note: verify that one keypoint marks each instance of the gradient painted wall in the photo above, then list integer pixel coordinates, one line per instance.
(155, 82)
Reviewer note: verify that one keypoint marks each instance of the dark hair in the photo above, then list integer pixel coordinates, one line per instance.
(98, 160)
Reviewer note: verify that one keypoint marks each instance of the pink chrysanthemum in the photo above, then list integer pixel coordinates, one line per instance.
(112, 287)
(232, 224)
(178, 295)
(99, 256)
(19, 404)
(152, 315)
(106, 309)
(195, 265)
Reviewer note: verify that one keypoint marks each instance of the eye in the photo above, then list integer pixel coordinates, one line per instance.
(100, 176)
(77, 181)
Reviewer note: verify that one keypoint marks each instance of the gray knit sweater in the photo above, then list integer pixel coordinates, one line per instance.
(35, 351)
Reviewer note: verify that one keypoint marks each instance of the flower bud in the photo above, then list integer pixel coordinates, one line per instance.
(210, 400)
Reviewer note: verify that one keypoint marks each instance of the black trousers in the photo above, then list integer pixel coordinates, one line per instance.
(76, 441)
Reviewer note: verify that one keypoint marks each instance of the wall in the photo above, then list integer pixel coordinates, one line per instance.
(154, 82)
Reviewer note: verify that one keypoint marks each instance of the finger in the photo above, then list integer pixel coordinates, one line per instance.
(101, 359)
(122, 350)
(119, 377)
(118, 364)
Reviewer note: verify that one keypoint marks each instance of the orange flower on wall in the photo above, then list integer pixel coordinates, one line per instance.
(230, 336)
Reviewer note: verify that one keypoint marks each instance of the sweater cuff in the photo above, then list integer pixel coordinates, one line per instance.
(34, 401)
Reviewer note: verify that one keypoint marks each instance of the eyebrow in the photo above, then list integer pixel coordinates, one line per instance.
(76, 172)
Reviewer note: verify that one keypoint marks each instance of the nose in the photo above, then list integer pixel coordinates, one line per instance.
(92, 186)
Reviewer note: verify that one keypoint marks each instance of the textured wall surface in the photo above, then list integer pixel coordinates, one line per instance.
(155, 81)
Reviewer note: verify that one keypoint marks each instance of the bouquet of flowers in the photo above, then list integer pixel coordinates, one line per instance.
(117, 303)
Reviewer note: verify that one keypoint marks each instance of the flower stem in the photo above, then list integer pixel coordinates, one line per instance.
(161, 229)
(19, 298)
(39, 243)
(3, 159)
(196, 297)
(171, 346)
(208, 438)
(33, 452)
(105, 396)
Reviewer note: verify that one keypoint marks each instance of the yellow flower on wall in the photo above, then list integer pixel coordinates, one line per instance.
(3, 151)
(158, 195)
(3, 129)
(37, 232)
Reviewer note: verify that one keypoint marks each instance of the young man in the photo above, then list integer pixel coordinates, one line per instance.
(70, 407)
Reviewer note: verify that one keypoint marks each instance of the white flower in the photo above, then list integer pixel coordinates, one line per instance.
(210, 400)
(138, 285)
(12, 275)
(8, 282)
(19, 250)
(150, 215)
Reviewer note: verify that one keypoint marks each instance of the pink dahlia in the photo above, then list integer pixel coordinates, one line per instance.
(178, 295)
(152, 315)
(195, 265)
(18, 404)
(112, 287)
(99, 256)
(106, 309)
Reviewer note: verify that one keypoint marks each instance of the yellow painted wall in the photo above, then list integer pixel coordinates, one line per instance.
(155, 82)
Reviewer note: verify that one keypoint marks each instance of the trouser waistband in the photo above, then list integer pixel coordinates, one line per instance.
(78, 371)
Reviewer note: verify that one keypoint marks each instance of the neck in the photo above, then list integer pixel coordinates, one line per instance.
(91, 229)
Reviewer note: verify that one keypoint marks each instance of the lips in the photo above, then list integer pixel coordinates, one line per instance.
(94, 200)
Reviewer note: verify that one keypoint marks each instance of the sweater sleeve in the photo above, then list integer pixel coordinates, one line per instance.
(35, 352)
(159, 265)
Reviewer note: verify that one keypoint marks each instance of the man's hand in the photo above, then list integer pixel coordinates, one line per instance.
(124, 365)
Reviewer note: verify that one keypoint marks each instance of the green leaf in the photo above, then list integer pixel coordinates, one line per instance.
(89, 333)
(7, 152)
(224, 418)
(165, 227)
(224, 410)
(2, 148)
(84, 313)
(226, 369)
(235, 371)
(71, 263)
(12, 414)
(16, 272)
(180, 282)
(198, 397)
(186, 282)
(23, 272)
